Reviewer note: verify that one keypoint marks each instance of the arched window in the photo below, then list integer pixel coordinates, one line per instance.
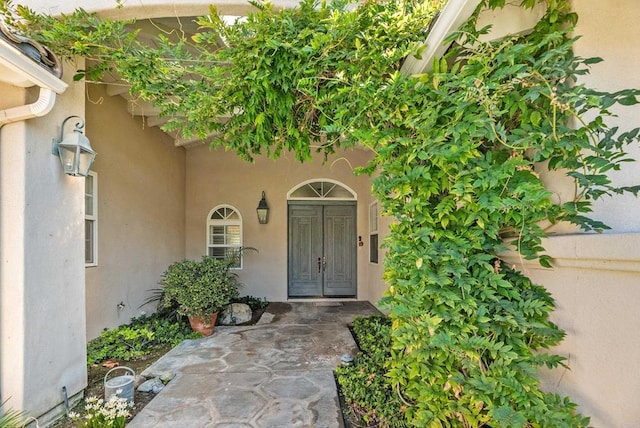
(224, 234)
(322, 188)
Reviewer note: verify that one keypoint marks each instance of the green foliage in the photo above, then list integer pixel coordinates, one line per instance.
(166, 330)
(253, 302)
(123, 342)
(460, 179)
(295, 78)
(137, 339)
(199, 288)
(10, 418)
(458, 155)
(373, 335)
(367, 390)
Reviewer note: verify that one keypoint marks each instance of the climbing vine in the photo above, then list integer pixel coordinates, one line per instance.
(459, 174)
(457, 157)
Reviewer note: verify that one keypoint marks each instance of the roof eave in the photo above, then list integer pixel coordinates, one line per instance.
(19, 70)
(452, 16)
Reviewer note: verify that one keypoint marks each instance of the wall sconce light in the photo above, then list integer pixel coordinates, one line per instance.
(263, 210)
(74, 150)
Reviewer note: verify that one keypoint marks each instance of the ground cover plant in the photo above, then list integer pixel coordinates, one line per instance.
(457, 158)
(136, 345)
(369, 394)
(138, 339)
(145, 334)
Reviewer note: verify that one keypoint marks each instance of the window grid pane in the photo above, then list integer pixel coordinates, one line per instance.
(225, 235)
(373, 218)
(373, 233)
(373, 248)
(233, 235)
(91, 219)
(88, 241)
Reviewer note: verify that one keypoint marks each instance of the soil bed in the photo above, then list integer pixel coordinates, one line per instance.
(95, 386)
(97, 372)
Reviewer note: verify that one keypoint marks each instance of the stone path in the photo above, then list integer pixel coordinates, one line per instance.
(278, 373)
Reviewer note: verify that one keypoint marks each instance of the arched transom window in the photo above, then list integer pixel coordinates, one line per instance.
(322, 188)
(224, 234)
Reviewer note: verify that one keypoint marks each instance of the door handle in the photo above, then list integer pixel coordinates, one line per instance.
(324, 264)
(319, 264)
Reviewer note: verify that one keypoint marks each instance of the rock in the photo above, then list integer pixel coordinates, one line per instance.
(154, 385)
(157, 387)
(166, 377)
(235, 313)
(139, 380)
(266, 318)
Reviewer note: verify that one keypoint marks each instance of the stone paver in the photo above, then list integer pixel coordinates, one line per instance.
(277, 373)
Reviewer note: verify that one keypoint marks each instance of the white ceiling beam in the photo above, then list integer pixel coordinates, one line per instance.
(142, 108)
(117, 89)
(508, 20)
(156, 120)
(183, 142)
(452, 16)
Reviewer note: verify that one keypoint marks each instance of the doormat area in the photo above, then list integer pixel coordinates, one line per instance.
(327, 304)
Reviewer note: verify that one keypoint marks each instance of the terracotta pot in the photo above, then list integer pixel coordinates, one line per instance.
(204, 326)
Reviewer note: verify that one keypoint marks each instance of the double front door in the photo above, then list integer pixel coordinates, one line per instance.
(322, 249)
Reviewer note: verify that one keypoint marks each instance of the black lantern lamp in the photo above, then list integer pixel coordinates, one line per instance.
(74, 150)
(263, 210)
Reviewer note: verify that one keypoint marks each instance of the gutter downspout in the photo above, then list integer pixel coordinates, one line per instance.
(43, 105)
(452, 16)
(23, 71)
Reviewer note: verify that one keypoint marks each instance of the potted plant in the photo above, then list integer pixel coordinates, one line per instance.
(200, 289)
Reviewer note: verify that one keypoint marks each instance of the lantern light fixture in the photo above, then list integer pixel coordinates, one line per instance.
(263, 210)
(74, 149)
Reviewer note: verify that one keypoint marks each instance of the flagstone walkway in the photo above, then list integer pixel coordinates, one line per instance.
(277, 373)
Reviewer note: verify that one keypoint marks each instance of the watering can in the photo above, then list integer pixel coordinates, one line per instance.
(120, 386)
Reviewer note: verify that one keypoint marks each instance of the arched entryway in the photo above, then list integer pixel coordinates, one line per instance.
(322, 240)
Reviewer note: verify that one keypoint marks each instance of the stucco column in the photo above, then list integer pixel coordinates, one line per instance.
(42, 297)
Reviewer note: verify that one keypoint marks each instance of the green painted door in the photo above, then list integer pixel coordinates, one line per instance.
(322, 250)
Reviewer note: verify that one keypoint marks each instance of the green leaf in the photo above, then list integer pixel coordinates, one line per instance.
(594, 60)
(509, 418)
(628, 100)
(535, 118)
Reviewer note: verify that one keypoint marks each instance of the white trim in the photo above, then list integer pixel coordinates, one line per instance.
(319, 196)
(18, 70)
(615, 252)
(43, 105)
(452, 16)
(25, 71)
(238, 222)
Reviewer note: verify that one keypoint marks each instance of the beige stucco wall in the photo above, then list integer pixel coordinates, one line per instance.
(372, 274)
(595, 284)
(220, 177)
(595, 279)
(42, 318)
(141, 183)
(610, 30)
